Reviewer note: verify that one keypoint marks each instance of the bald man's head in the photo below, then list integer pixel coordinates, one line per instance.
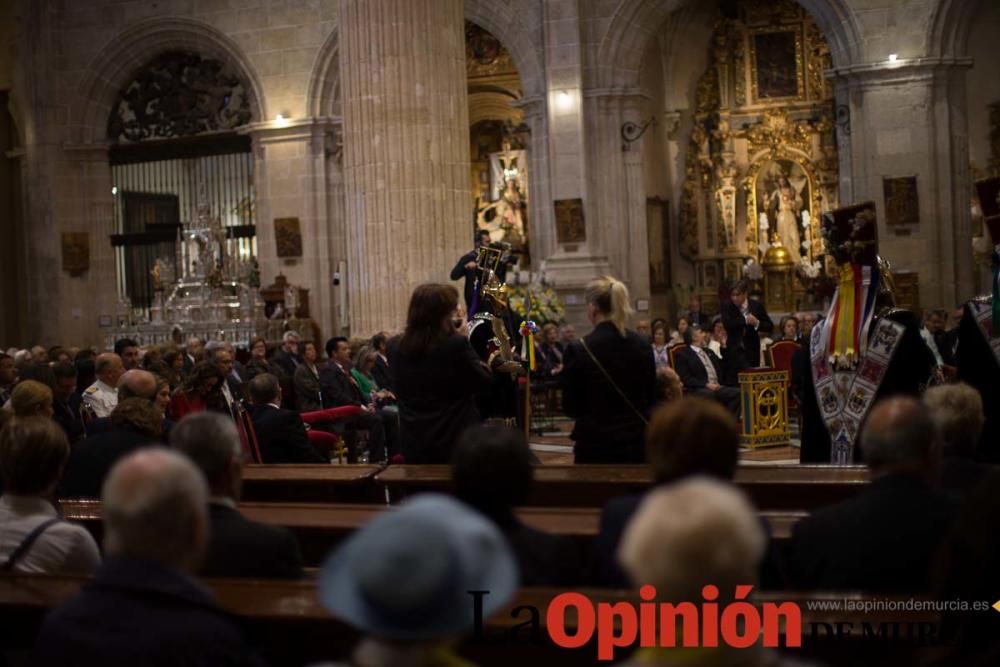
(108, 368)
(137, 384)
(900, 436)
(155, 508)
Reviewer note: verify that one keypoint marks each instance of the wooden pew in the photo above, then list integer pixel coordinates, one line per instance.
(290, 627)
(320, 527)
(801, 487)
(772, 487)
(348, 483)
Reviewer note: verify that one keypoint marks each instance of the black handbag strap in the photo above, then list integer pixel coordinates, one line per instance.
(26, 543)
(613, 383)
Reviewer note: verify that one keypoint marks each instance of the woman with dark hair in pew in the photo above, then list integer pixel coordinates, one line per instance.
(492, 472)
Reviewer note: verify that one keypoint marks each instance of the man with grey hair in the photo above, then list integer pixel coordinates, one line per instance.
(886, 538)
(143, 605)
(192, 353)
(957, 410)
(237, 547)
(287, 358)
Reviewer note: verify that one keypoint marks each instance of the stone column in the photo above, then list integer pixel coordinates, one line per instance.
(406, 152)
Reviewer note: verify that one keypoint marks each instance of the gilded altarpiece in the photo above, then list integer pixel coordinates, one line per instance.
(761, 161)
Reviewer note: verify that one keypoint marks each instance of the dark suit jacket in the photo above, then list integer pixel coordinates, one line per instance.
(615, 517)
(339, 388)
(436, 394)
(92, 458)
(239, 547)
(606, 427)
(381, 374)
(282, 437)
(286, 362)
(469, 274)
(885, 539)
(137, 612)
(67, 415)
(543, 559)
(308, 394)
(977, 365)
(743, 340)
(959, 475)
(699, 318)
(692, 372)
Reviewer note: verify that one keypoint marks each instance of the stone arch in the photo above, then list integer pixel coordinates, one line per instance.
(635, 23)
(110, 70)
(323, 96)
(950, 26)
(507, 24)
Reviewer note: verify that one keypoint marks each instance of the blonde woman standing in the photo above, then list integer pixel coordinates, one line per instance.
(608, 380)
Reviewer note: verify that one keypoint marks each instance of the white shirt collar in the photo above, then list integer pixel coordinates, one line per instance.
(225, 501)
(274, 405)
(104, 386)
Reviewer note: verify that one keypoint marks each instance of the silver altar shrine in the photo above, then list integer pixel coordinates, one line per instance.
(214, 297)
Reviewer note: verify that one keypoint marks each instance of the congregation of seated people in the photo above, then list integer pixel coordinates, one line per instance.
(162, 435)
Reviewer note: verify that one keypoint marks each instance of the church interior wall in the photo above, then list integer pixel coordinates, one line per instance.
(586, 67)
(983, 89)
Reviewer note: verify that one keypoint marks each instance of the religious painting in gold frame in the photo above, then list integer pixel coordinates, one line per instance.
(658, 237)
(901, 204)
(287, 238)
(776, 65)
(570, 225)
(75, 252)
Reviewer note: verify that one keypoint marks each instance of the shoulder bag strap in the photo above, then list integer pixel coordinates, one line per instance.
(26, 543)
(612, 383)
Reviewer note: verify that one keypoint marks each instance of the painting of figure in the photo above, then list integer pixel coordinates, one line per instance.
(783, 193)
(776, 64)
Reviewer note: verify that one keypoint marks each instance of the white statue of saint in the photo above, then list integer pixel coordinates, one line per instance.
(785, 206)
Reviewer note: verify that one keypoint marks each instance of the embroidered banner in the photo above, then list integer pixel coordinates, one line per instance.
(844, 396)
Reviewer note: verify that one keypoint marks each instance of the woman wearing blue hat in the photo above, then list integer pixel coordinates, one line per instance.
(403, 581)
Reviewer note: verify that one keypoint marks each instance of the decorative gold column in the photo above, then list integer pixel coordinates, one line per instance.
(406, 152)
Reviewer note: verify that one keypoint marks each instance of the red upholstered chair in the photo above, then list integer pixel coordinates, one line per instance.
(329, 442)
(781, 353)
(331, 415)
(672, 352)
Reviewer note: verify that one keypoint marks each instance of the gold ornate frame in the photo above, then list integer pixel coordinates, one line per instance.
(800, 82)
(757, 163)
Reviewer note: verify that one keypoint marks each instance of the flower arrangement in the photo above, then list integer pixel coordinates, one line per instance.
(752, 270)
(545, 304)
(808, 270)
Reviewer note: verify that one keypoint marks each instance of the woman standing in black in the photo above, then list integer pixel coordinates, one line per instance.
(608, 380)
(435, 373)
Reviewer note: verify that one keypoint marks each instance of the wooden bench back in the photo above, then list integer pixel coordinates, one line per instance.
(289, 626)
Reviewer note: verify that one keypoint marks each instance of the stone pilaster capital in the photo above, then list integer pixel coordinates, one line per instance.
(903, 70)
(297, 129)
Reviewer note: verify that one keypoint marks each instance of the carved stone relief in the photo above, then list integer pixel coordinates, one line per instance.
(180, 94)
